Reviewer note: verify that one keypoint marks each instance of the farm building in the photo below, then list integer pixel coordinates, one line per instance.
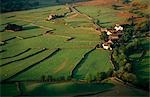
(54, 16)
(118, 27)
(113, 37)
(51, 16)
(107, 46)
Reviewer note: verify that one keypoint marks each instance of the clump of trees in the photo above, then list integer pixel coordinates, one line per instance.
(50, 78)
(15, 5)
(130, 43)
(104, 37)
(13, 27)
(99, 76)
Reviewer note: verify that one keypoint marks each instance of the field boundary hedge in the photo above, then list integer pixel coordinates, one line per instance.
(17, 54)
(8, 39)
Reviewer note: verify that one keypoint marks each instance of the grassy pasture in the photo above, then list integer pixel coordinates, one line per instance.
(105, 14)
(59, 65)
(14, 67)
(64, 89)
(30, 52)
(48, 41)
(9, 90)
(97, 61)
(12, 52)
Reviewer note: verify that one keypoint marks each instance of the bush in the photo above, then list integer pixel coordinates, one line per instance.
(104, 36)
(129, 77)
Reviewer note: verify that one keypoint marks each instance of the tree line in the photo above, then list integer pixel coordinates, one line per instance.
(130, 43)
(17, 5)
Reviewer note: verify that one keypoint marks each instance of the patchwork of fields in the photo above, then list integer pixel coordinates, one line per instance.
(31, 53)
(61, 48)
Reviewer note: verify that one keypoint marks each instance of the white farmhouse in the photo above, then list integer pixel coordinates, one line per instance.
(108, 32)
(118, 27)
(106, 46)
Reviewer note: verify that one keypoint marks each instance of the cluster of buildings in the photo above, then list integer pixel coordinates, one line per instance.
(51, 16)
(113, 35)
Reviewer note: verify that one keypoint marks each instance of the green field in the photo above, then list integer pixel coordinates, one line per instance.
(9, 90)
(94, 64)
(15, 59)
(102, 13)
(64, 89)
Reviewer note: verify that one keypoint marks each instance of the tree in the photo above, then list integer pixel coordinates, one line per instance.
(129, 77)
(97, 77)
(49, 78)
(57, 1)
(43, 78)
(126, 1)
(98, 22)
(104, 36)
(128, 67)
(88, 78)
(102, 75)
(109, 72)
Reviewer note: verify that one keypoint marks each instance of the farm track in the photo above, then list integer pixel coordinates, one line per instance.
(29, 67)
(23, 58)
(79, 64)
(17, 54)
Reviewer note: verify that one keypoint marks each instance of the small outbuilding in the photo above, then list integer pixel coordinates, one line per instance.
(51, 16)
(118, 27)
(106, 46)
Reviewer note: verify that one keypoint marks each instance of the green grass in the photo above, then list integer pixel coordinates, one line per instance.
(9, 90)
(12, 68)
(30, 52)
(48, 41)
(11, 52)
(58, 65)
(96, 61)
(105, 14)
(64, 89)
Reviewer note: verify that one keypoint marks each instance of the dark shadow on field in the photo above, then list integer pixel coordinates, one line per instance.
(30, 27)
(74, 89)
